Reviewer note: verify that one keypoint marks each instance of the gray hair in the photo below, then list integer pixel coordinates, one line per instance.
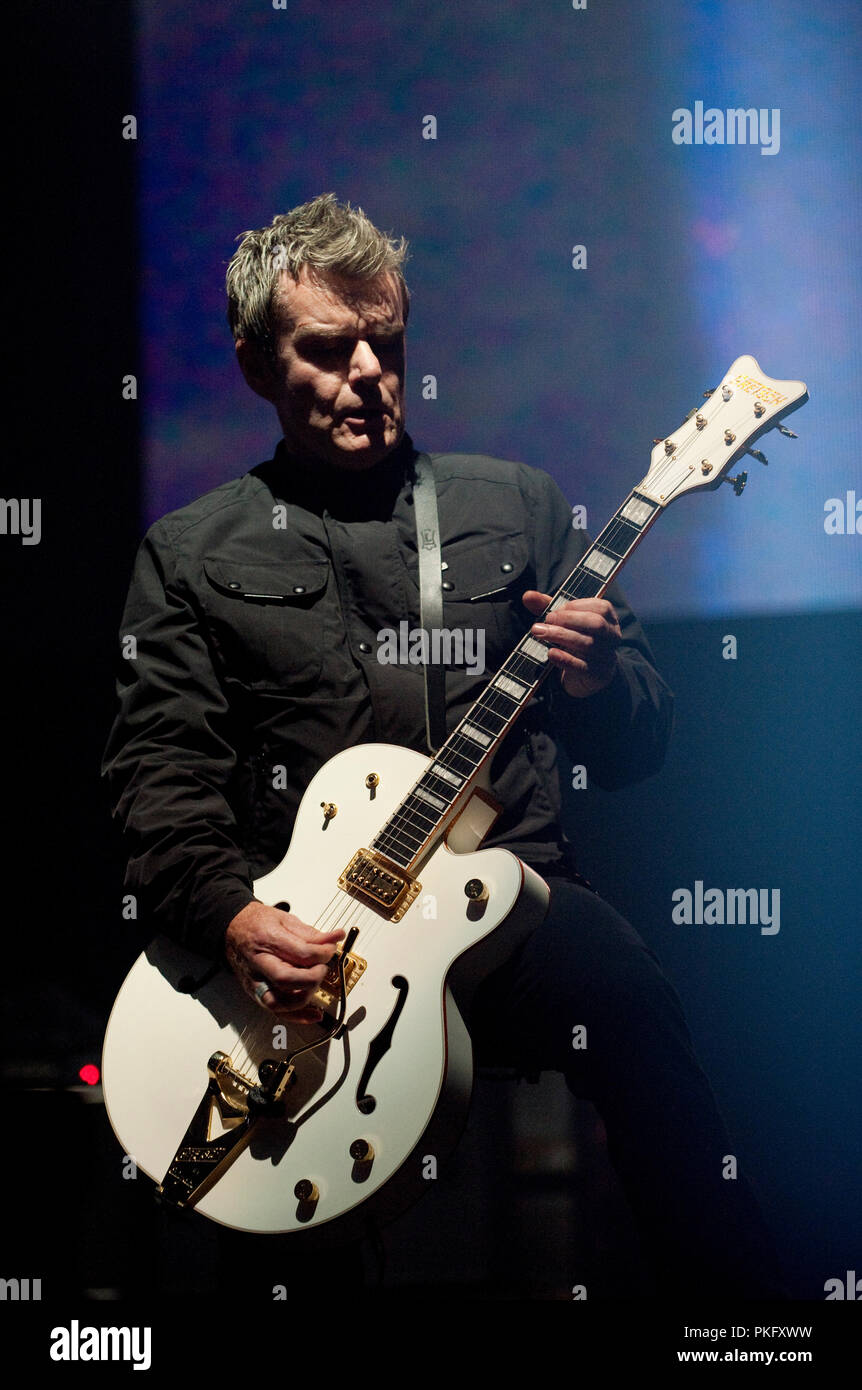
(325, 235)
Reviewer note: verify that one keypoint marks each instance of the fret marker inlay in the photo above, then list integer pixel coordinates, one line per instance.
(448, 776)
(534, 649)
(637, 511)
(598, 563)
(476, 734)
(432, 800)
(511, 687)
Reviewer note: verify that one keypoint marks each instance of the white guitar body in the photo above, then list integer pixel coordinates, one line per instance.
(160, 1036)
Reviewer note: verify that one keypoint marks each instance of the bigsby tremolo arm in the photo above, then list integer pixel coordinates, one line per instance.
(200, 1160)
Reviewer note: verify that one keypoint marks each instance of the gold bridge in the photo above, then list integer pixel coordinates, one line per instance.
(327, 994)
(377, 883)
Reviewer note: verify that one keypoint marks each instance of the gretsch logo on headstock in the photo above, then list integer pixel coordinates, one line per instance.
(752, 387)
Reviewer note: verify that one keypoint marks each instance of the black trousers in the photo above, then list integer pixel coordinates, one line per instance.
(587, 968)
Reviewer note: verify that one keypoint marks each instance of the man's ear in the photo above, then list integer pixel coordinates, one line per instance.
(256, 367)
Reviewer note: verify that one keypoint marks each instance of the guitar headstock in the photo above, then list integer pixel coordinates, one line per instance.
(714, 436)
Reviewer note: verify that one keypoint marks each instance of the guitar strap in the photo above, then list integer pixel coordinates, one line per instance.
(430, 597)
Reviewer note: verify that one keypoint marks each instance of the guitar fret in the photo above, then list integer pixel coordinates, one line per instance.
(486, 717)
(624, 536)
(462, 754)
(441, 798)
(525, 668)
(388, 844)
(420, 794)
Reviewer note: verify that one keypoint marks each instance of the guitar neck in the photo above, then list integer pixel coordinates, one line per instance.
(447, 781)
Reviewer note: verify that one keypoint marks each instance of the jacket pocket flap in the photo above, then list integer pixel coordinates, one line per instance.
(479, 572)
(276, 580)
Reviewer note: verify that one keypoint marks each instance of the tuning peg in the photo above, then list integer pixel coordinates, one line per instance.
(737, 483)
(756, 454)
(784, 430)
(708, 393)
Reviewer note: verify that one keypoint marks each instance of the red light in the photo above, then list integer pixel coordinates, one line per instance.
(89, 1074)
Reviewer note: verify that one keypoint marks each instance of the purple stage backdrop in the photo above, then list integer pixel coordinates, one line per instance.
(498, 138)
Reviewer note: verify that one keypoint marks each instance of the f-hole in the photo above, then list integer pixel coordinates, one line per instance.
(379, 1046)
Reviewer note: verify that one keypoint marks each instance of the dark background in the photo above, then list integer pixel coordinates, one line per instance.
(760, 789)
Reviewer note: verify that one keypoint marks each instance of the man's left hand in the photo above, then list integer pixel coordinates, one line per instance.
(584, 634)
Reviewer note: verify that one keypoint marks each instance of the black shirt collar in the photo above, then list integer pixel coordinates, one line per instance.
(318, 487)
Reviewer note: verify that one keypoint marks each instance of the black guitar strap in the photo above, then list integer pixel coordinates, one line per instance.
(430, 597)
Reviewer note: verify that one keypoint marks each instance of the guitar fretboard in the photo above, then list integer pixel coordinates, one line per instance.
(430, 803)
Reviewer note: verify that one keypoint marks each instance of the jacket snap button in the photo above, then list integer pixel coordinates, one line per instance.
(365, 647)
(234, 584)
(447, 585)
(299, 588)
(507, 568)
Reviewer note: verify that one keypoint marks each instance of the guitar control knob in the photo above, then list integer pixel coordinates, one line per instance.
(306, 1191)
(361, 1151)
(476, 890)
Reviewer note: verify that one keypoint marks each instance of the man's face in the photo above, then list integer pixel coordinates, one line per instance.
(338, 381)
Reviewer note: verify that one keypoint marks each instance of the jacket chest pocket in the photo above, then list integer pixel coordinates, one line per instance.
(482, 587)
(265, 621)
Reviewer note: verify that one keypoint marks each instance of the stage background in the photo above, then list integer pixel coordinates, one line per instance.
(554, 129)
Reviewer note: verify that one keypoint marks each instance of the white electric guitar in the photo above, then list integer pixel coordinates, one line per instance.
(273, 1127)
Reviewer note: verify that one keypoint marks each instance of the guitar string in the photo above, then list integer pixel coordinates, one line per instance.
(256, 1035)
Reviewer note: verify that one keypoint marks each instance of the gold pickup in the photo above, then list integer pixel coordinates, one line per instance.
(378, 884)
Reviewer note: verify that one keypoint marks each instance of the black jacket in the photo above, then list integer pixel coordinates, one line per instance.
(255, 613)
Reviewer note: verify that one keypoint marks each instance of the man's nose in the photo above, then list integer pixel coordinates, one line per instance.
(364, 363)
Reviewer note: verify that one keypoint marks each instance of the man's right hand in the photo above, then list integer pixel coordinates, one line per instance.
(264, 945)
